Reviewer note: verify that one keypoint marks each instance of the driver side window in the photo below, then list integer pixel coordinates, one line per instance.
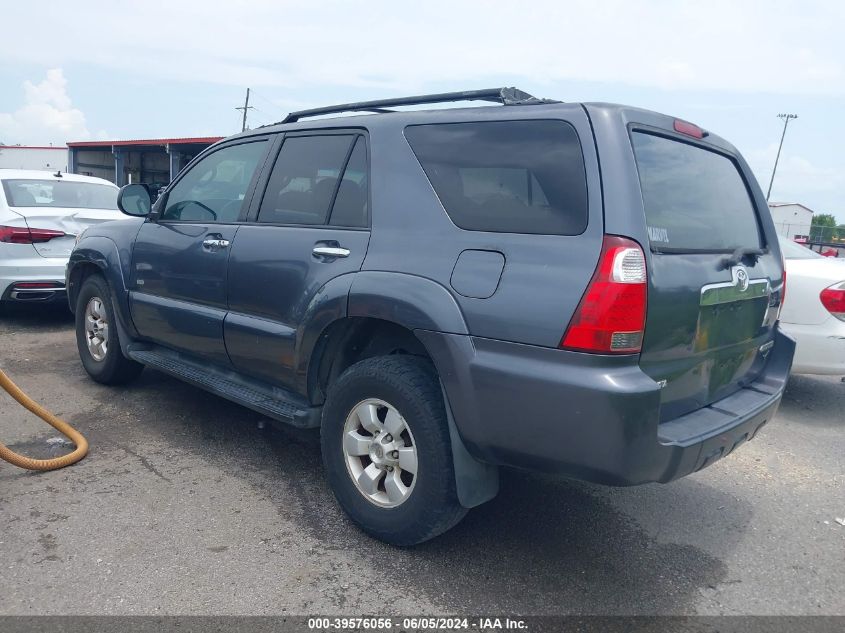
(214, 189)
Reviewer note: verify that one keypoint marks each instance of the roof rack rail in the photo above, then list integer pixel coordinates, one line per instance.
(505, 96)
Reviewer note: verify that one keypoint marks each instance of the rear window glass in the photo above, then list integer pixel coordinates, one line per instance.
(60, 193)
(793, 250)
(506, 176)
(695, 199)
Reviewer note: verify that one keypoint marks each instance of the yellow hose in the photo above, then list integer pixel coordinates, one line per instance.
(60, 425)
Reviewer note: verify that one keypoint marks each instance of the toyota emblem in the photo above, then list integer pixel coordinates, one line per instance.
(741, 279)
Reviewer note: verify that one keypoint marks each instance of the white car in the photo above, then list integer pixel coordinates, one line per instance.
(814, 310)
(41, 213)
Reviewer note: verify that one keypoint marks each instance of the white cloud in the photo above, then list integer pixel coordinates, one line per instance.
(779, 46)
(47, 115)
(311, 52)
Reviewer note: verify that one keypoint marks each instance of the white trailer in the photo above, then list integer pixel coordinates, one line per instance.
(42, 158)
(792, 220)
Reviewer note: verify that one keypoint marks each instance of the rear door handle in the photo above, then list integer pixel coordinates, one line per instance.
(215, 244)
(331, 251)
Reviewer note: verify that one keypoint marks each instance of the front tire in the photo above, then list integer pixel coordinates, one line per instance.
(97, 338)
(387, 452)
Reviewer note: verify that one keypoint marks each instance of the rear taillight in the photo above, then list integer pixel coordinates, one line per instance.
(833, 299)
(44, 235)
(23, 235)
(611, 316)
(782, 289)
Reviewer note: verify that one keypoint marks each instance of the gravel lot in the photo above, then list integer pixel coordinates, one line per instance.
(184, 506)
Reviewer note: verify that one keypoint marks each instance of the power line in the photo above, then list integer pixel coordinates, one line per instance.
(245, 107)
(276, 106)
(266, 114)
(260, 121)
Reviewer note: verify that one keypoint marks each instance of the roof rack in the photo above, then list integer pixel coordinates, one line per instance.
(505, 96)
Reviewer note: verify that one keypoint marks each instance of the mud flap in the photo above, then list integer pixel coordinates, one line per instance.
(476, 482)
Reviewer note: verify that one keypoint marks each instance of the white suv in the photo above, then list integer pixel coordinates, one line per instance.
(41, 213)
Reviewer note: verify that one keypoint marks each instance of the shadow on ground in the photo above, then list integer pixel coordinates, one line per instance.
(34, 317)
(542, 546)
(824, 396)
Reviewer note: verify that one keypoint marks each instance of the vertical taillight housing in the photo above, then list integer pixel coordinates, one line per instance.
(611, 316)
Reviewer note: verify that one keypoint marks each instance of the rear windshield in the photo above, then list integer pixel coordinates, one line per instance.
(57, 193)
(695, 199)
(506, 176)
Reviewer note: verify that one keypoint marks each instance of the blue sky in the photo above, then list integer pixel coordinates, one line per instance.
(156, 68)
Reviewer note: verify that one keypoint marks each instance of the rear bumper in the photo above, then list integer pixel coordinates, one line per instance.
(820, 348)
(32, 269)
(591, 417)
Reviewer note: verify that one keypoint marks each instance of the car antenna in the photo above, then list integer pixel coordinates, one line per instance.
(58, 173)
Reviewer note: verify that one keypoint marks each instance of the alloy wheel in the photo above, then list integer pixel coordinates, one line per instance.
(96, 329)
(380, 453)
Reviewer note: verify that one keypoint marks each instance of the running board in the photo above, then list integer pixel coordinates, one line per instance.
(274, 402)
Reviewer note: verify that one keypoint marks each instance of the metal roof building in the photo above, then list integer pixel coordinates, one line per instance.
(153, 161)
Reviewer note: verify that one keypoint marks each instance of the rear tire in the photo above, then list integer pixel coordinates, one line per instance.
(407, 494)
(97, 337)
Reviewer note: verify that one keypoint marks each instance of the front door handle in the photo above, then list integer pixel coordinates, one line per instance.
(215, 244)
(331, 251)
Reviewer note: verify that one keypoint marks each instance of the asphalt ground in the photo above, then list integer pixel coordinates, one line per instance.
(186, 506)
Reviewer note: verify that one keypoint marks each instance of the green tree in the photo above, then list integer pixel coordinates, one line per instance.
(823, 228)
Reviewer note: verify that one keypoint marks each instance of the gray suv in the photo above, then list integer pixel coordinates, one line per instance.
(586, 289)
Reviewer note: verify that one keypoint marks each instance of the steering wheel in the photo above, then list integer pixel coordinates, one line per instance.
(234, 205)
(180, 206)
(204, 207)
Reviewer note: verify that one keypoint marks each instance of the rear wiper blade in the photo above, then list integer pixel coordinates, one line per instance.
(741, 253)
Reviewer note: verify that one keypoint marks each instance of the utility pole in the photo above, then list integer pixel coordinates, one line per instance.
(245, 107)
(786, 118)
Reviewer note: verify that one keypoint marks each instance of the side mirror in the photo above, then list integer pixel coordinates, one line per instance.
(134, 200)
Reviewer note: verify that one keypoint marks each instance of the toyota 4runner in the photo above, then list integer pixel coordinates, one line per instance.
(586, 289)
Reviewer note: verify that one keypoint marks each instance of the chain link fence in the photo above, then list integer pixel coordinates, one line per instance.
(828, 240)
(812, 233)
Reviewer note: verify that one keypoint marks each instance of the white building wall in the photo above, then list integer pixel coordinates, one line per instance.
(791, 220)
(46, 159)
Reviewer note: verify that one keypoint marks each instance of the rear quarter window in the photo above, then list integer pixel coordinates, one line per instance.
(694, 199)
(506, 176)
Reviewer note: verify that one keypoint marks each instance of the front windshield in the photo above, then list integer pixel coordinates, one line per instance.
(60, 193)
(793, 250)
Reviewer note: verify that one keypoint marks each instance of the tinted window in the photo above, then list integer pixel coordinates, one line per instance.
(695, 199)
(506, 176)
(214, 189)
(350, 205)
(60, 193)
(304, 179)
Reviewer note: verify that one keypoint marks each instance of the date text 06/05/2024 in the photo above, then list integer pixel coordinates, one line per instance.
(415, 623)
